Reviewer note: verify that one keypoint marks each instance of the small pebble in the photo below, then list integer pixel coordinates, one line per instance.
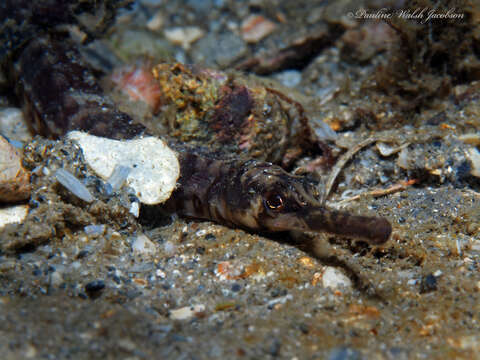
(474, 156)
(256, 27)
(186, 312)
(344, 353)
(94, 229)
(14, 179)
(13, 125)
(334, 278)
(135, 209)
(289, 78)
(156, 22)
(142, 245)
(94, 287)
(56, 279)
(184, 36)
(428, 284)
(386, 149)
(13, 215)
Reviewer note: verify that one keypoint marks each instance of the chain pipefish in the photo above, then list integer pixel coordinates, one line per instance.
(60, 94)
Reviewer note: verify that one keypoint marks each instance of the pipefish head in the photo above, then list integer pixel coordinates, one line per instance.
(280, 202)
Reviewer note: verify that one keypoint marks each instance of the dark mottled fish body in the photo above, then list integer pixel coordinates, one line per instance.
(61, 94)
(262, 197)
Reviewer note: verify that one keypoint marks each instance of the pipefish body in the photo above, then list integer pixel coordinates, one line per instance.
(60, 94)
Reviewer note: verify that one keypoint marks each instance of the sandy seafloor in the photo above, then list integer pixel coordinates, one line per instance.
(207, 291)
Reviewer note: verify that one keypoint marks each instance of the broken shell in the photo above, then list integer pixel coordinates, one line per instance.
(184, 36)
(14, 179)
(386, 149)
(154, 167)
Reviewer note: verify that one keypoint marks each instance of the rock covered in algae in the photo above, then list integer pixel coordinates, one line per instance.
(226, 112)
(232, 113)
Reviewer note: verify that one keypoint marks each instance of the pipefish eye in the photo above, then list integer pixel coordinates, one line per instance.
(274, 201)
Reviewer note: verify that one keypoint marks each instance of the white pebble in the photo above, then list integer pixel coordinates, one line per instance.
(135, 209)
(13, 214)
(56, 279)
(184, 36)
(13, 125)
(154, 166)
(143, 245)
(474, 155)
(169, 248)
(73, 185)
(186, 312)
(334, 278)
(94, 229)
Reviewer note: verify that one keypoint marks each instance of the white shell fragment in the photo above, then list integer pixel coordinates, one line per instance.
(13, 214)
(73, 185)
(186, 312)
(154, 166)
(184, 36)
(334, 278)
(142, 245)
(387, 149)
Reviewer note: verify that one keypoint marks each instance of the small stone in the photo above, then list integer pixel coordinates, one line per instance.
(184, 36)
(474, 156)
(222, 50)
(334, 278)
(186, 312)
(428, 283)
(14, 179)
(169, 247)
(56, 279)
(289, 78)
(154, 166)
(94, 287)
(256, 27)
(386, 149)
(156, 22)
(94, 230)
(13, 215)
(344, 353)
(134, 209)
(13, 125)
(142, 245)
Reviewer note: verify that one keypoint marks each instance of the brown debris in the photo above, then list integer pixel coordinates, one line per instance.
(294, 56)
(14, 179)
